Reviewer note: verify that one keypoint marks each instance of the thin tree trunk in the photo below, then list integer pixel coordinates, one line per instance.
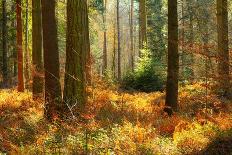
(132, 35)
(119, 41)
(114, 51)
(105, 39)
(182, 39)
(173, 56)
(77, 47)
(13, 44)
(4, 45)
(223, 50)
(191, 39)
(142, 25)
(19, 46)
(27, 57)
(51, 59)
(37, 86)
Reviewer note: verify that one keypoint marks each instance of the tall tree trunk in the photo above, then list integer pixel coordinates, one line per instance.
(142, 24)
(37, 86)
(173, 56)
(132, 35)
(4, 45)
(77, 47)
(223, 51)
(191, 38)
(27, 57)
(51, 59)
(19, 46)
(182, 40)
(114, 50)
(13, 44)
(119, 41)
(105, 39)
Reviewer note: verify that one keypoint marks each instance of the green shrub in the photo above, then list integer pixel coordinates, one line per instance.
(147, 77)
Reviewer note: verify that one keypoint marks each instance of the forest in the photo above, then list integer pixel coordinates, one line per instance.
(115, 77)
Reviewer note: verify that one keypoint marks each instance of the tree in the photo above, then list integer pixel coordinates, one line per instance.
(173, 56)
(223, 48)
(105, 38)
(27, 55)
(19, 46)
(37, 86)
(4, 44)
(77, 47)
(131, 21)
(142, 24)
(51, 59)
(119, 41)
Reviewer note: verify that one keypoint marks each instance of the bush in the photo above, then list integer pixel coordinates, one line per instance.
(147, 77)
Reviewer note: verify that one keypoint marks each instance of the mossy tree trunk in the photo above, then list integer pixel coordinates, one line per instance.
(223, 48)
(77, 48)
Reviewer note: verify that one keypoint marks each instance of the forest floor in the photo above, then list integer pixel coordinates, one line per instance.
(119, 123)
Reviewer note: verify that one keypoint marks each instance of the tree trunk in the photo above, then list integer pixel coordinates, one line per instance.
(37, 86)
(173, 56)
(13, 44)
(77, 47)
(105, 39)
(51, 59)
(223, 51)
(19, 46)
(27, 56)
(114, 50)
(132, 35)
(191, 39)
(4, 45)
(119, 41)
(142, 24)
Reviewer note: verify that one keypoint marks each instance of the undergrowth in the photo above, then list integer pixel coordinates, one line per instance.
(117, 123)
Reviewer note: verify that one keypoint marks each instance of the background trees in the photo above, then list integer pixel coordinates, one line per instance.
(116, 30)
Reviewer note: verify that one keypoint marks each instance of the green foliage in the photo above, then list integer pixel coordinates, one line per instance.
(147, 76)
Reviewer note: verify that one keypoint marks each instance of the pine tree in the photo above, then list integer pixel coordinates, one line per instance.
(37, 86)
(19, 46)
(173, 56)
(51, 59)
(77, 49)
(223, 48)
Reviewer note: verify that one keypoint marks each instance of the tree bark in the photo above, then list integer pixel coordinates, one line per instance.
(4, 45)
(51, 59)
(223, 48)
(19, 46)
(119, 41)
(132, 54)
(142, 24)
(105, 39)
(37, 86)
(27, 56)
(77, 47)
(173, 56)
